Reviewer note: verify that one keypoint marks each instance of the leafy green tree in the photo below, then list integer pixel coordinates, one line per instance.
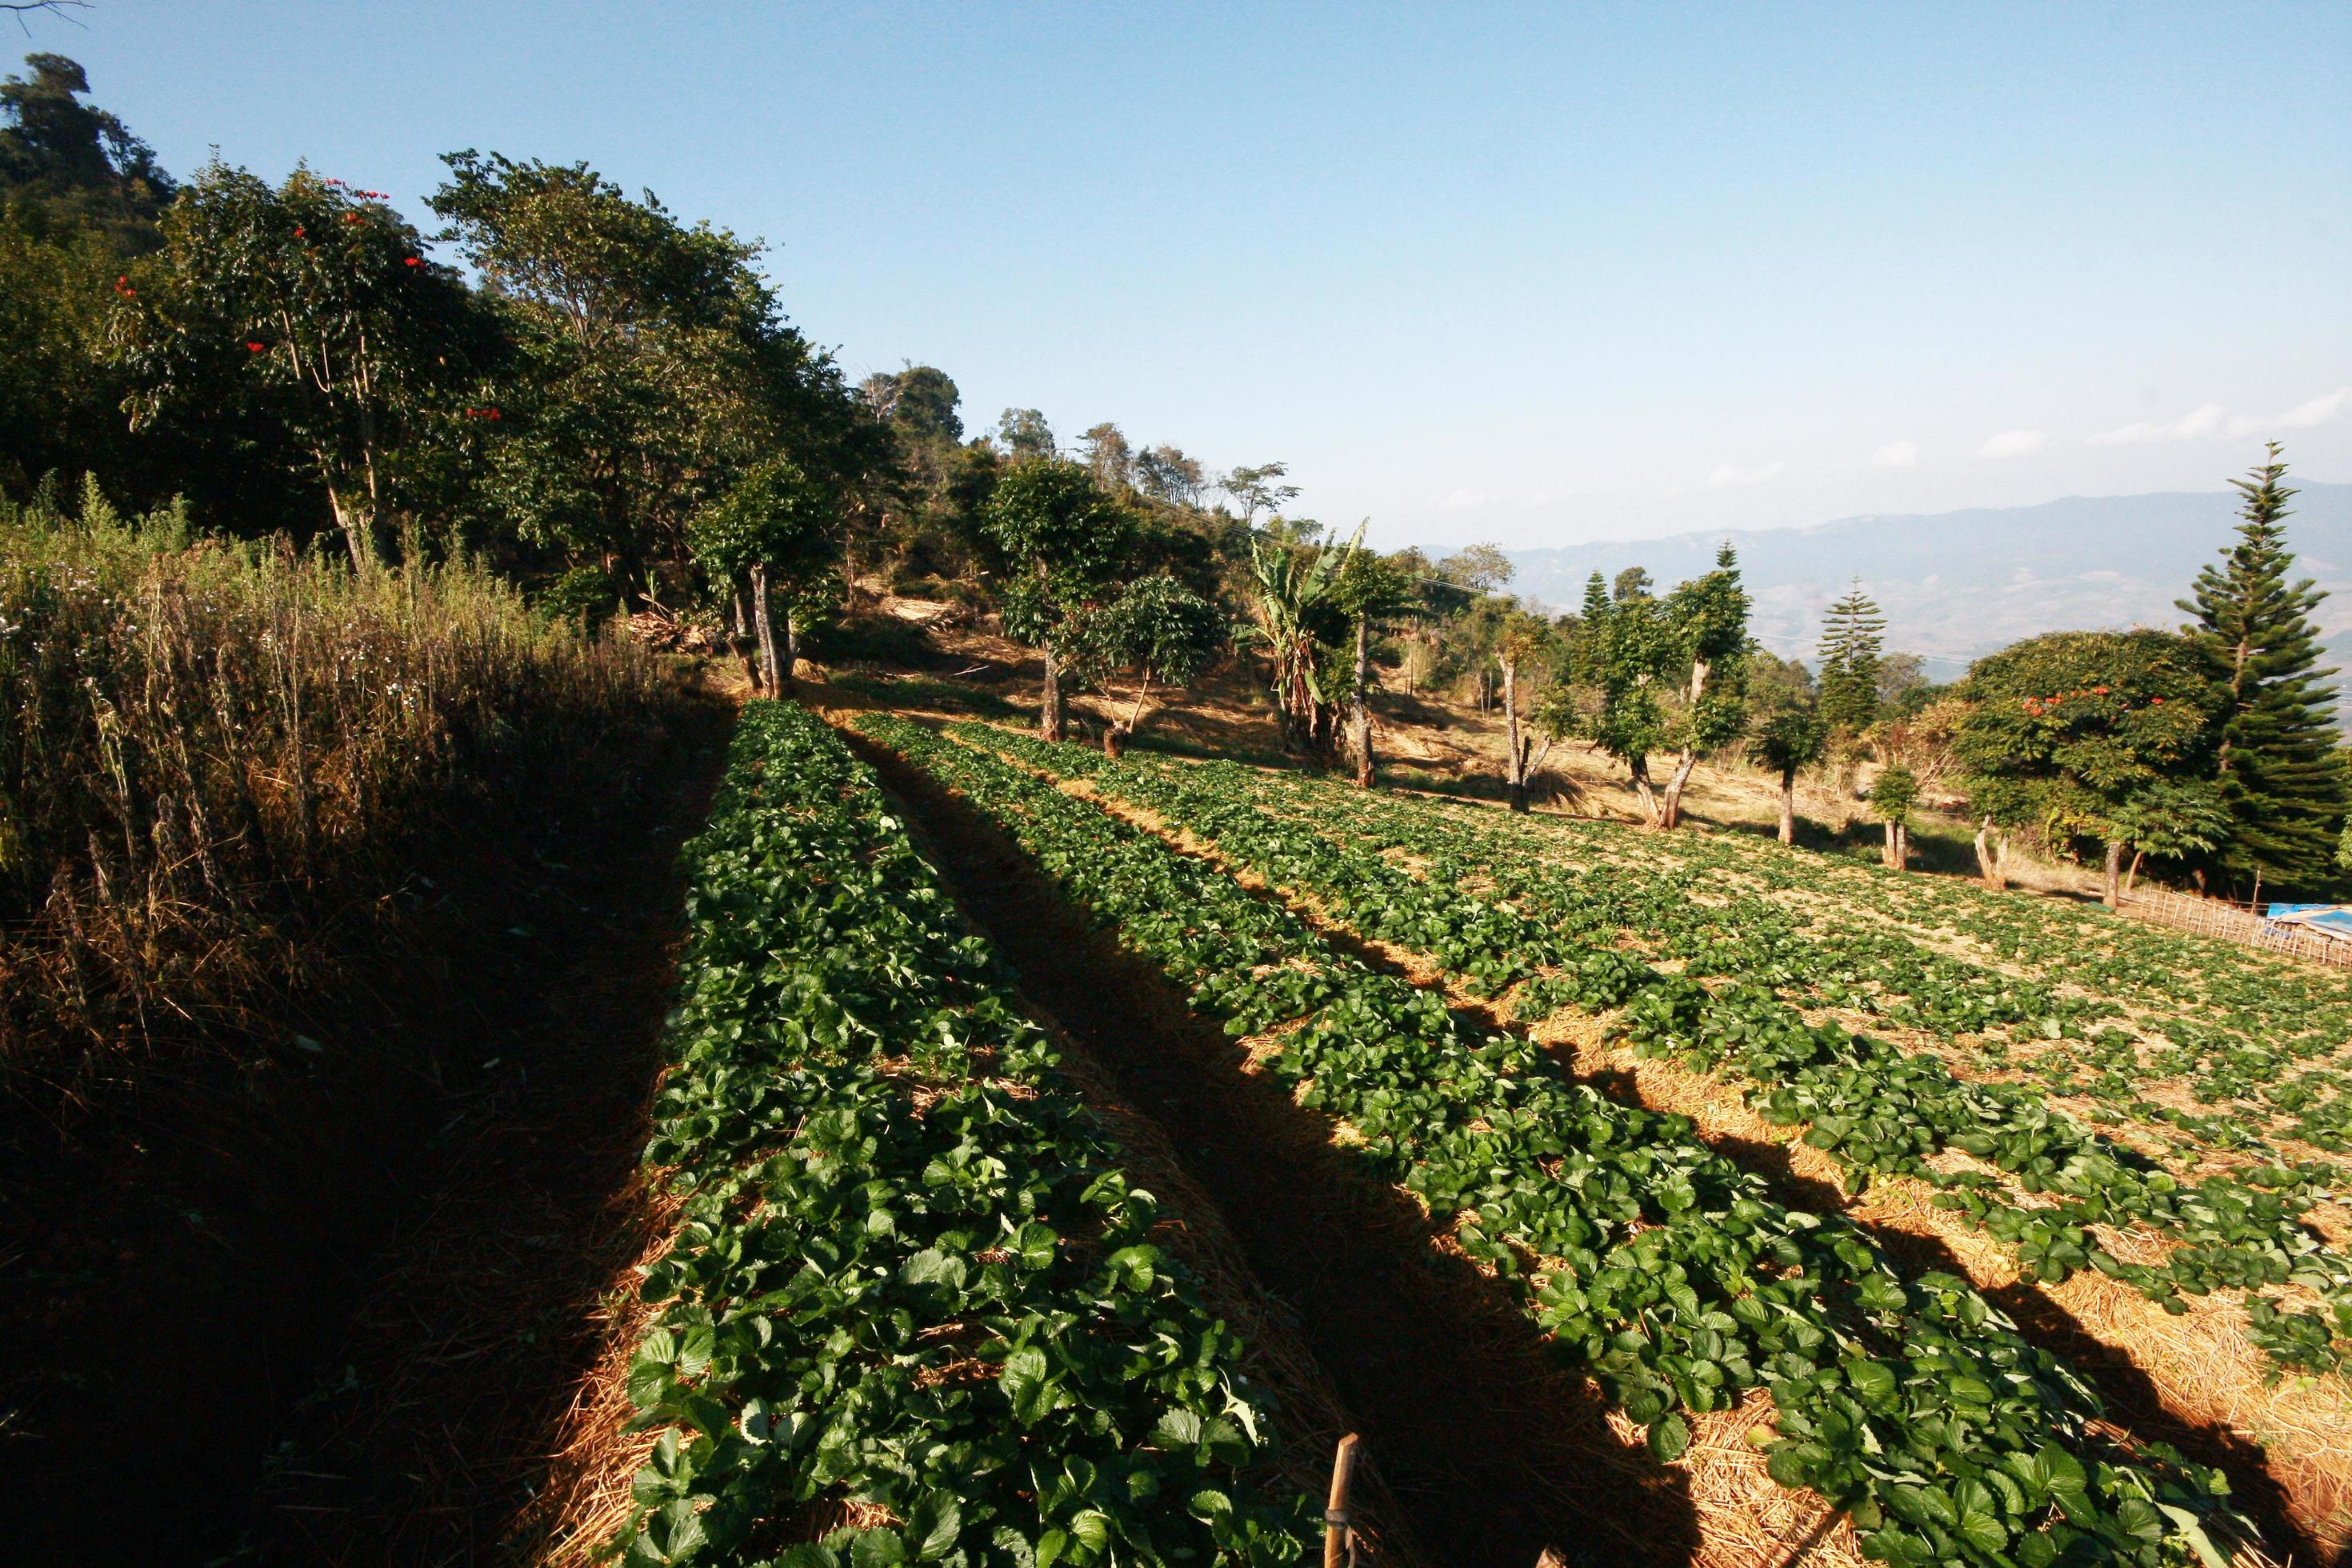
(67, 163)
(1893, 795)
(1258, 489)
(2281, 779)
(1481, 568)
(1788, 740)
(2067, 730)
(1611, 696)
(316, 299)
(1025, 434)
(1110, 459)
(1708, 615)
(651, 366)
(1061, 539)
(1159, 634)
(1165, 474)
(919, 401)
(1852, 635)
(775, 529)
(2177, 819)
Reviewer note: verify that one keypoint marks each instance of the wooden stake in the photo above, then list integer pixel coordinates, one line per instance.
(1337, 1532)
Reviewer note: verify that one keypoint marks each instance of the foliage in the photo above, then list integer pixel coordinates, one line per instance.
(1790, 741)
(316, 301)
(1669, 1273)
(910, 1273)
(1871, 1106)
(776, 516)
(1158, 628)
(1708, 617)
(1852, 635)
(1895, 795)
(651, 366)
(2068, 728)
(1061, 538)
(1293, 589)
(2282, 779)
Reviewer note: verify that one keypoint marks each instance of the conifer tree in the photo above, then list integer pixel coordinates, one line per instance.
(2282, 779)
(1852, 635)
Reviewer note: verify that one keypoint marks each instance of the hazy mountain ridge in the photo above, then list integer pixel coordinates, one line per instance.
(1957, 586)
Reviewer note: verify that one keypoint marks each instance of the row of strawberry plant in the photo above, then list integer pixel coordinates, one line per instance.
(1872, 1107)
(1669, 1274)
(909, 1275)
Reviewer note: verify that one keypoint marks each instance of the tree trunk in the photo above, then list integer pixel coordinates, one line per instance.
(2133, 874)
(1050, 721)
(1359, 704)
(1649, 796)
(792, 664)
(1902, 846)
(1788, 805)
(739, 639)
(1887, 851)
(764, 630)
(1515, 775)
(1988, 858)
(1670, 810)
(1114, 740)
(359, 530)
(2113, 897)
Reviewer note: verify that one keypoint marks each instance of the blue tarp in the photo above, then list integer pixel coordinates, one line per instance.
(2335, 920)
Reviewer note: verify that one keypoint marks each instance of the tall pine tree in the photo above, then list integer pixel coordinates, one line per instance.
(1852, 634)
(2284, 783)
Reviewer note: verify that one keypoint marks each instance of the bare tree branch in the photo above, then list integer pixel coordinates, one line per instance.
(20, 9)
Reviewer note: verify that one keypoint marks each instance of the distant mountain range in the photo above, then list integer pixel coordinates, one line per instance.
(1957, 586)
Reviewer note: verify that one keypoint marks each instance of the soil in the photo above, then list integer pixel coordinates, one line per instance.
(1492, 1455)
(329, 1311)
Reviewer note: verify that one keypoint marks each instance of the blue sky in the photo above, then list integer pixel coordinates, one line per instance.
(1538, 275)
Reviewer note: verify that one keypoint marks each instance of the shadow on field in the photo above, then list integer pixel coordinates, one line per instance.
(1490, 1451)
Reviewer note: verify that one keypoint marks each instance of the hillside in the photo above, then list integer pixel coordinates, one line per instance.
(1957, 586)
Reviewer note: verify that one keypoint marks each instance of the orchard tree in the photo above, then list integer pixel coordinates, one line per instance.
(1787, 742)
(315, 301)
(2281, 777)
(1853, 636)
(1159, 635)
(776, 529)
(1611, 696)
(2071, 731)
(1061, 539)
(1709, 619)
(1893, 797)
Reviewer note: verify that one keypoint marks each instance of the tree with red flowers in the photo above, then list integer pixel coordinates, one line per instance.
(318, 300)
(2076, 734)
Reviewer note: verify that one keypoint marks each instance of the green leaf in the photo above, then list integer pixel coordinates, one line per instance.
(1669, 1436)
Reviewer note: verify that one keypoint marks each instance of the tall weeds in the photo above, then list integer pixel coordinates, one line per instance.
(215, 756)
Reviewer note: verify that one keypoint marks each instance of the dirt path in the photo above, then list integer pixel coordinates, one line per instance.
(1491, 1454)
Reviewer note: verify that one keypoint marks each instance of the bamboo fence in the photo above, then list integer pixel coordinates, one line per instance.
(2233, 922)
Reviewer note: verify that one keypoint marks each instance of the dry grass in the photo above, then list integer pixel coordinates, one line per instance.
(217, 753)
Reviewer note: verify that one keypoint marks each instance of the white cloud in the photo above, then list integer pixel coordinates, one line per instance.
(2194, 425)
(1725, 475)
(2211, 419)
(1464, 501)
(1895, 454)
(2321, 410)
(2013, 444)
